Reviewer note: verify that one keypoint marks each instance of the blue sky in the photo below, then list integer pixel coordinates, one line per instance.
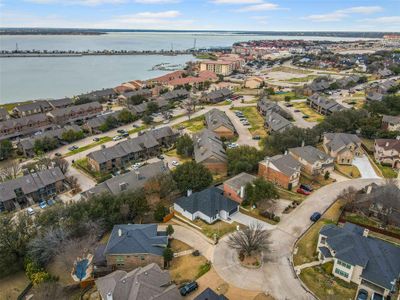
(279, 15)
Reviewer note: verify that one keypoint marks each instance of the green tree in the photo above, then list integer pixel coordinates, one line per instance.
(260, 189)
(160, 212)
(147, 119)
(287, 98)
(327, 175)
(125, 116)
(243, 159)
(137, 99)
(168, 255)
(170, 230)
(192, 176)
(72, 135)
(45, 144)
(152, 107)
(5, 149)
(184, 145)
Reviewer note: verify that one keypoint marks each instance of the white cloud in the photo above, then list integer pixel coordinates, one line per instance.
(78, 2)
(340, 14)
(236, 1)
(259, 7)
(156, 1)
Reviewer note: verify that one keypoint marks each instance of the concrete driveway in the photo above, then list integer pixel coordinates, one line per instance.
(364, 166)
(247, 220)
(276, 276)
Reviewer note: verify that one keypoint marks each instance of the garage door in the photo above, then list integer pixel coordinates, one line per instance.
(233, 211)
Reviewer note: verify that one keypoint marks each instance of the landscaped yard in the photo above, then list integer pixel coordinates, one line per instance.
(320, 280)
(290, 195)
(306, 110)
(218, 228)
(172, 153)
(188, 268)
(255, 213)
(84, 166)
(255, 119)
(194, 125)
(316, 182)
(387, 171)
(348, 170)
(282, 96)
(306, 247)
(356, 102)
(12, 286)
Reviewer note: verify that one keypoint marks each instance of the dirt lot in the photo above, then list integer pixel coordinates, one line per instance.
(212, 280)
(12, 286)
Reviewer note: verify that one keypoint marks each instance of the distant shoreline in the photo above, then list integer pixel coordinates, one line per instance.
(62, 31)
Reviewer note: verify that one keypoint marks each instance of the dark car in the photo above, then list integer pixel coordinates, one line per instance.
(188, 288)
(121, 131)
(96, 139)
(58, 154)
(315, 216)
(256, 137)
(160, 157)
(303, 192)
(362, 295)
(125, 134)
(306, 187)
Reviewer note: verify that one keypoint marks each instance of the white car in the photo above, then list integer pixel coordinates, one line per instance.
(175, 163)
(117, 138)
(30, 211)
(136, 166)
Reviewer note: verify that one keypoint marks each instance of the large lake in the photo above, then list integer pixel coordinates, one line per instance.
(53, 77)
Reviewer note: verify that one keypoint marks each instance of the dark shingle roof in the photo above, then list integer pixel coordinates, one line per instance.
(136, 239)
(240, 180)
(276, 122)
(284, 163)
(380, 260)
(216, 118)
(209, 294)
(206, 145)
(310, 154)
(208, 201)
(336, 141)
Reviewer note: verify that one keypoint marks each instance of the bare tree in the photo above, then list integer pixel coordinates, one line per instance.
(11, 170)
(190, 106)
(73, 183)
(43, 162)
(249, 240)
(349, 195)
(62, 163)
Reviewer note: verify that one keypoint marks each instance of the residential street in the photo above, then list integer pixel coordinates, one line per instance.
(276, 276)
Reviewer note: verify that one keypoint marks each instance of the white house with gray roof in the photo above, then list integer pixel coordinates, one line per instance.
(209, 205)
(370, 262)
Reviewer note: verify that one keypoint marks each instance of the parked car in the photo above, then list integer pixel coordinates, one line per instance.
(30, 211)
(296, 110)
(135, 126)
(121, 131)
(306, 187)
(72, 148)
(304, 192)
(42, 204)
(160, 157)
(125, 134)
(96, 139)
(137, 165)
(58, 154)
(175, 163)
(256, 137)
(315, 216)
(165, 121)
(362, 295)
(306, 117)
(117, 138)
(50, 202)
(188, 288)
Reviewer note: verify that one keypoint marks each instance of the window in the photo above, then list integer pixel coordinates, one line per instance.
(342, 263)
(120, 260)
(341, 273)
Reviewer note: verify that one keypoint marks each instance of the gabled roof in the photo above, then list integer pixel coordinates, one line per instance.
(24, 121)
(101, 119)
(391, 119)
(337, 141)
(209, 201)
(310, 154)
(40, 104)
(209, 294)
(57, 103)
(60, 112)
(216, 118)
(380, 260)
(388, 144)
(276, 122)
(145, 283)
(284, 163)
(240, 180)
(129, 181)
(206, 145)
(136, 239)
(219, 94)
(268, 105)
(325, 103)
(29, 183)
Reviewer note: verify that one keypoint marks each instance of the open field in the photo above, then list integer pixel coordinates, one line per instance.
(301, 79)
(306, 110)
(255, 119)
(290, 70)
(320, 280)
(193, 125)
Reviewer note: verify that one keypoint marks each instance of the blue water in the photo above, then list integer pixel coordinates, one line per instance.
(81, 268)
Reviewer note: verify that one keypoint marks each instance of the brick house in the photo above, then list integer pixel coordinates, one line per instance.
(31, 188)
(218, 122)
(135, 245)
(282, 170)
(387, 152)
(314, 162)
(343, 147)
(234, 188)
(24, 126)
(74, 113)
(210, 152)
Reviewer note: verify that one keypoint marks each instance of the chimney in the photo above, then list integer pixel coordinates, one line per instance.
(267, 161)
(366, 232)
(369, 189)
(387, 144)
(119, 232)
(286, 152)
(109, 296)
(189, 193)
(242, 192)
(302, 143)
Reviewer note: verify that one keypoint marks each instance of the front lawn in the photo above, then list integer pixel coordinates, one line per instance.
(349, 171)
(172, 153)
(325, 286)
(83, 165)
(187, 268)
(193, 125)
(255, 119)
(316, 182)
(178, 246)
(387, 172)
(307, 245)
(306, 110)
(290, 195)
(282, 96)
(102, 140)
(217, 229)
(255, 213)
